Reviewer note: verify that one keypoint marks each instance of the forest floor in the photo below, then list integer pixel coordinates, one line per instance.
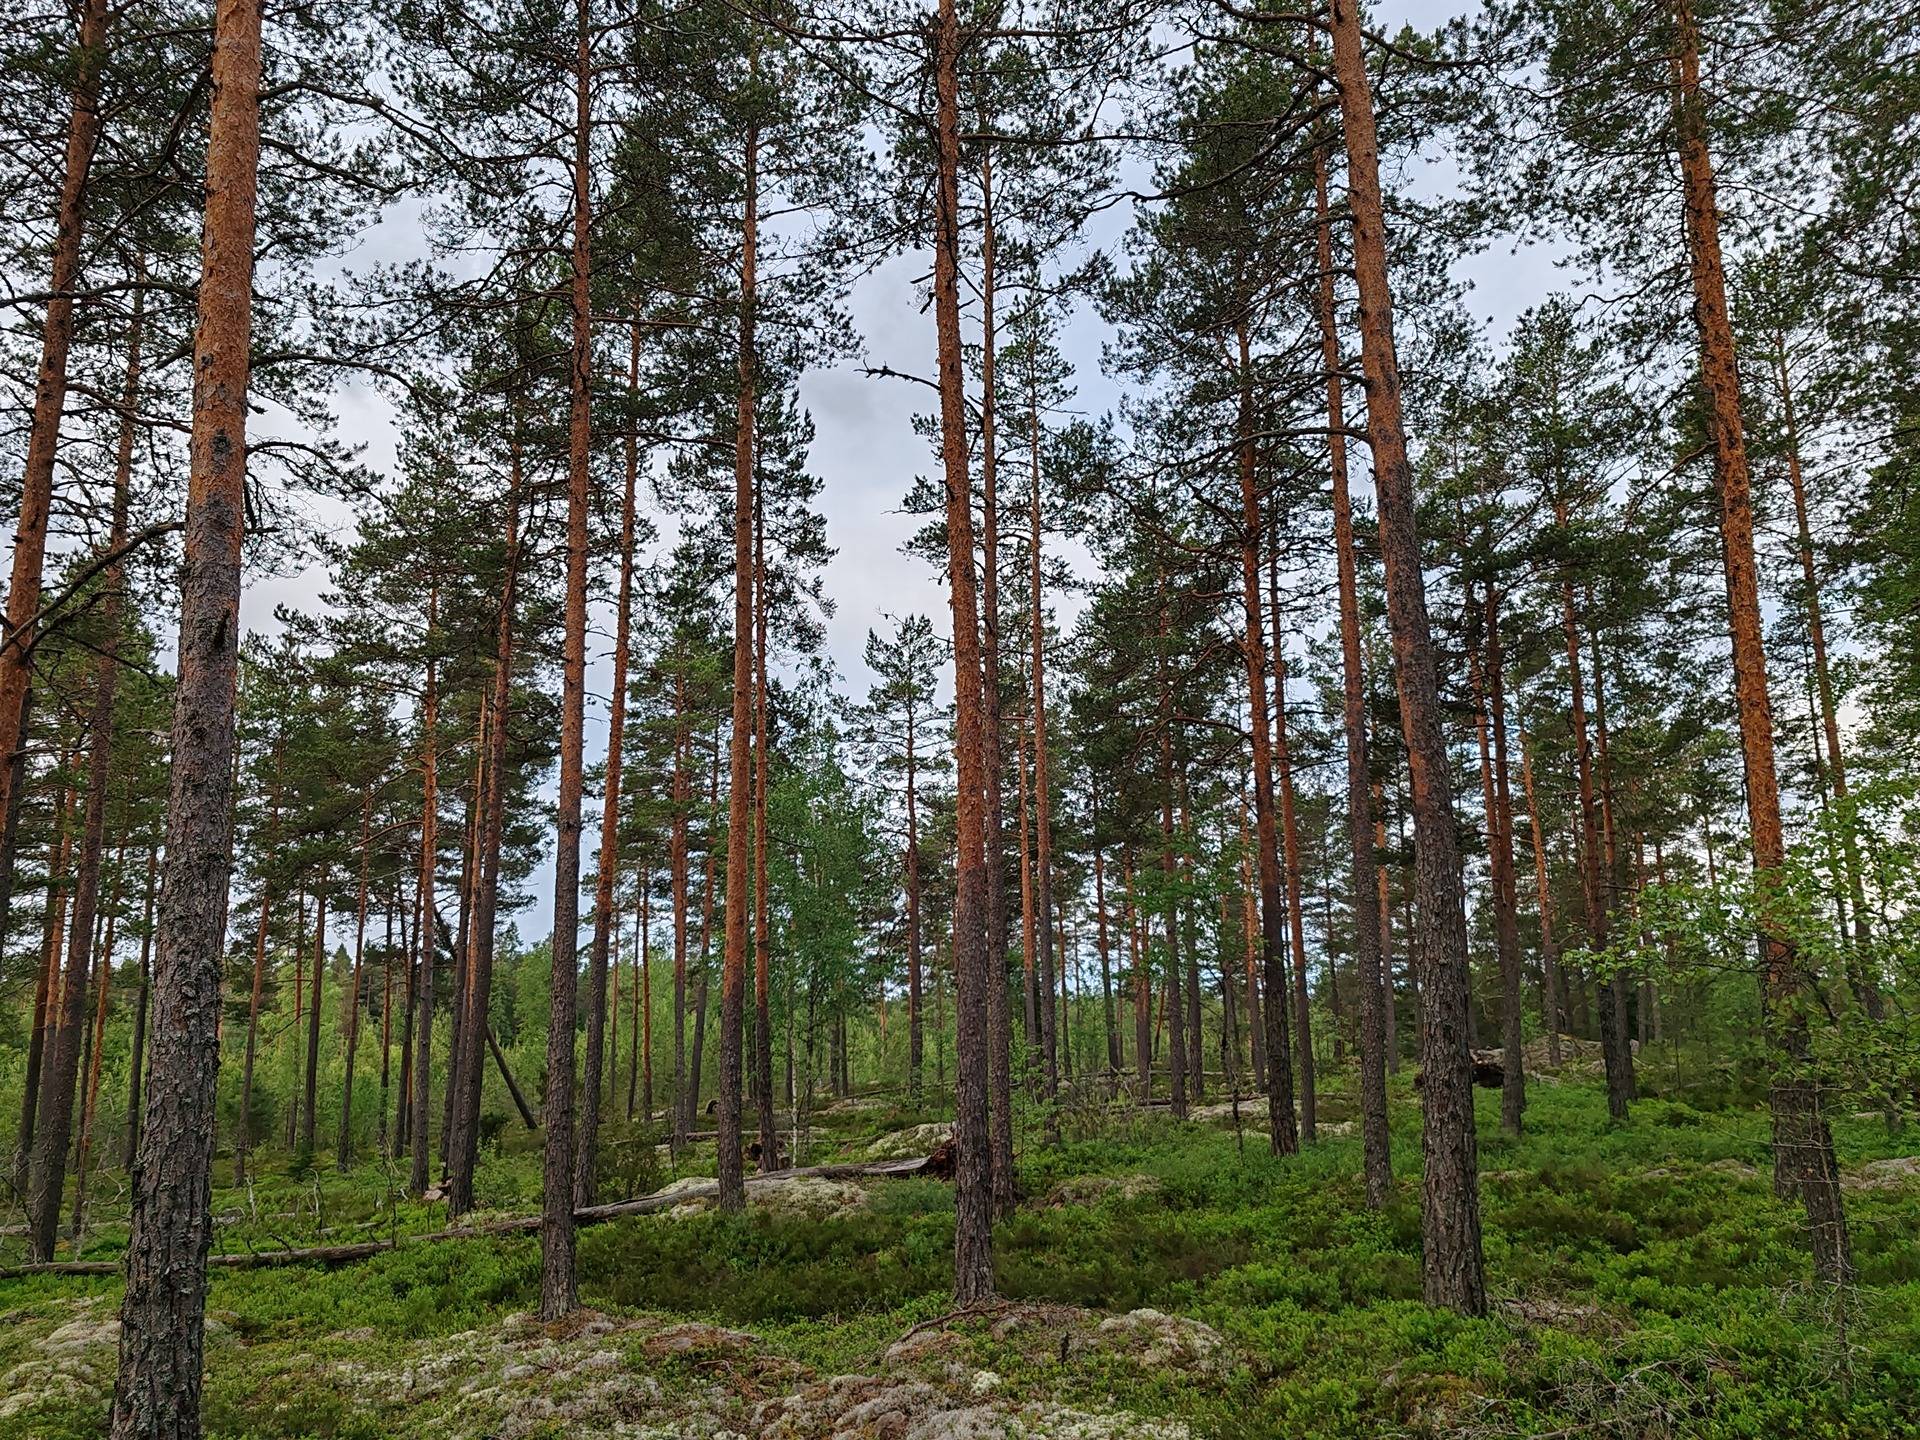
(1161, 1281)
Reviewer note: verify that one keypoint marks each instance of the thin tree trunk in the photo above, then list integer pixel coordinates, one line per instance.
(1492, 730)
(770, 1158)
(586, 1180)
(103, 966)
(343, 1156)
(1552, 1001)
(467, 1071)
(1866, 989)
(677, 861)
(916, 1042)
(1042, 790)
(733, 1195)
(319, 968)
(1169, 866)
(974, 1176)
(415, 1051)
(137, 1045)
(559, 1286)
(1592, 872)
(50, 391)
(46, 999)
(1453, 1268)
(999, 1009)
(1290, 851)
(1803, 1144)
(1106, 960)
(55, 1128)
(163, 1309)
(1369, 917)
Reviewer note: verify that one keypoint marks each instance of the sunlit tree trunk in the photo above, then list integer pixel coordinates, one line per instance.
(163, 1310)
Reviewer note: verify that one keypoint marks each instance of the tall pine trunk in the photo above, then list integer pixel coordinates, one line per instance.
(413, 1059)
(50, 392)
(163, 1310)
(733, 962)
(559, 1286)
(974, 1175)
(1368, 956)
(1283, 1135)
(57, 1089)
(586, 1178)
(998, 999)
(1453, 1269)
(1290, 855)
(1803, 1146)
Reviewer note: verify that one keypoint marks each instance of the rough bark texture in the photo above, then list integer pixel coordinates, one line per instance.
(163, 1312)
(1803, 1145)
(1453, 1268)
(974, 1175)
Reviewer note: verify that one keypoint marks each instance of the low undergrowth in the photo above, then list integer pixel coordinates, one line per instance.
(1646, 1282)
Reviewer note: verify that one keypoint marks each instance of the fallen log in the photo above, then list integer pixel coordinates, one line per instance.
(327, 1255)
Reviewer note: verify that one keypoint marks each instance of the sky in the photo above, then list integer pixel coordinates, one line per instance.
(866, 453)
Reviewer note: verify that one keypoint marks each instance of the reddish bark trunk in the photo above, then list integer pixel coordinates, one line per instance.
(1803, 1146)
(974, 1177)
(163, 1310)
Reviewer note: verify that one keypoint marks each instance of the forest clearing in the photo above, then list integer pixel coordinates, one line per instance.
(960, 719)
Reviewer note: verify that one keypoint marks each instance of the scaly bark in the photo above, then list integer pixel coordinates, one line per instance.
(163, 1310)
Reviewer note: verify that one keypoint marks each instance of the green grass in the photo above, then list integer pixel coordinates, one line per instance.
(1649, 1284)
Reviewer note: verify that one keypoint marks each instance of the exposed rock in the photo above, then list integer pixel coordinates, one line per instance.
(1091, 1189)
(1892, 1174)
(912, 1141)
(808, 1197)
(694, 1336)
(78, 1335)
(1156, 1340)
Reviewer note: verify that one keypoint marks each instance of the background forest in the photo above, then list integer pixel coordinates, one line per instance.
(1355, 874)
